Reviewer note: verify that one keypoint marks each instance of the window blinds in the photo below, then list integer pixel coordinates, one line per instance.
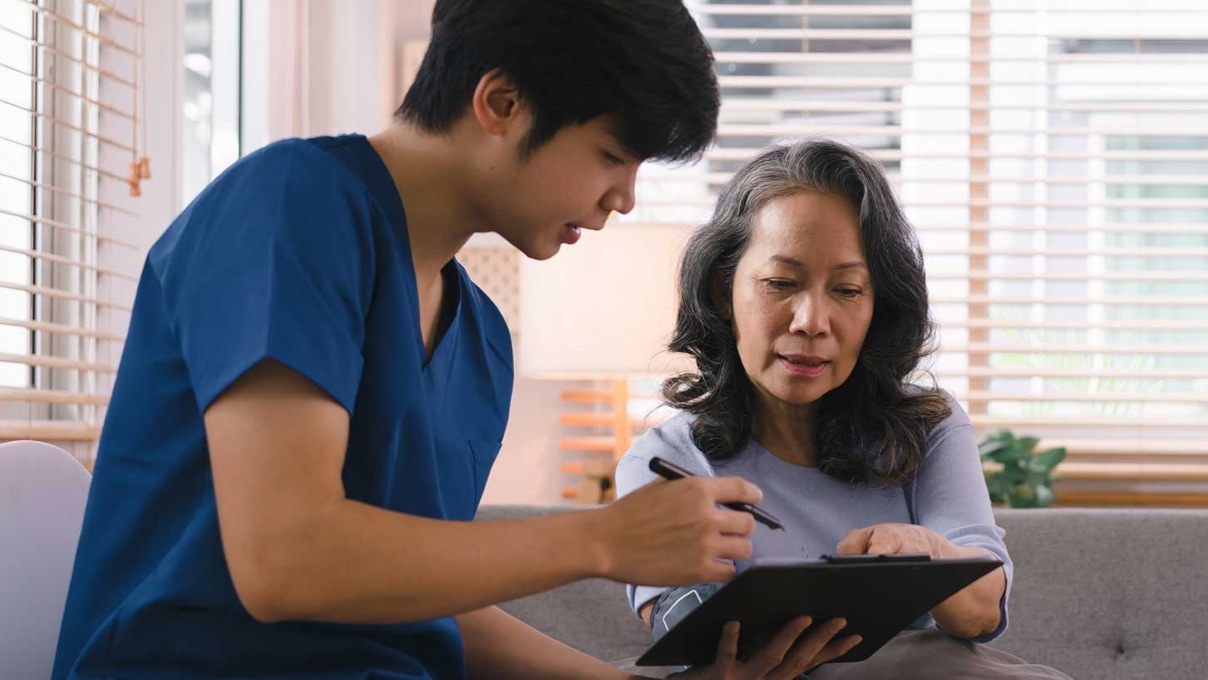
(1053, 155)
(69, 167)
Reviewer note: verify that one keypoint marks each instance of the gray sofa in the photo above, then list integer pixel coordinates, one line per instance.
(1098, 594)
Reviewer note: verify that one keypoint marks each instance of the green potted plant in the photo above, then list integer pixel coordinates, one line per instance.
(1016, 475)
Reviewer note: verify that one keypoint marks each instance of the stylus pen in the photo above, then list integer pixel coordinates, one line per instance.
(673, 471)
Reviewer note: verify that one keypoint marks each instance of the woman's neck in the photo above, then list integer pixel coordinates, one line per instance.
(787, 431)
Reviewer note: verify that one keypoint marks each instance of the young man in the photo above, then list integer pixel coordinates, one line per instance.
(312, 391)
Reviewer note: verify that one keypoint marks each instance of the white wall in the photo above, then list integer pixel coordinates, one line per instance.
(320, 67)
(527, 468)
(160, 198)
(414, 19)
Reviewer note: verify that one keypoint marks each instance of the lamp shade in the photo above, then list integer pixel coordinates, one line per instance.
(604, 307)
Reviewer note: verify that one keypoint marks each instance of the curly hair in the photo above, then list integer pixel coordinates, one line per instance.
(872, 429)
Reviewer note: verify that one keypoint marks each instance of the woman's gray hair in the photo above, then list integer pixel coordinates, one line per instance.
(871, 429)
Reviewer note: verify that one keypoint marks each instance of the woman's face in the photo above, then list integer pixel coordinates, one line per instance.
(802, 298)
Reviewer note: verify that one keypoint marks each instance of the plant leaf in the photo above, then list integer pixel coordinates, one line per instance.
(1002, 455)
(1050, 458)
(995, 441)
(1021, 497)
(1016, 454)
(999, 487)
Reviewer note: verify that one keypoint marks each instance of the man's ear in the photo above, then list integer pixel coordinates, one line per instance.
(721, 296)
(496, 104)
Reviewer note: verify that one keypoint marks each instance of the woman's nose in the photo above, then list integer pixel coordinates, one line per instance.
(810, 317)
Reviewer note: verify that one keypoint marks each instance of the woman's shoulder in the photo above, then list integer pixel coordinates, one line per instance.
(672, 441)
(953, 434)
(957, 417)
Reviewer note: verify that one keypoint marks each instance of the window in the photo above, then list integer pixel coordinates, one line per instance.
(69, 120)
(16, 197)
(1053, 157)
(211, 132)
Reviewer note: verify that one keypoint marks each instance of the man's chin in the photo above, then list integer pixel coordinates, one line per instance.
(542, 250)
(535, 249)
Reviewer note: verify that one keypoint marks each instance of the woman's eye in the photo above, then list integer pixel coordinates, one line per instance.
(613, 158)
(780, 284)
(849, 292)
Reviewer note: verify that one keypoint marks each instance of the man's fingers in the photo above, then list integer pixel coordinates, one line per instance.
(735, 523)
(734, 548)
(718, 572)
(732, 490)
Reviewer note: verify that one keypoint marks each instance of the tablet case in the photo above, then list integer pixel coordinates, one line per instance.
(879, 595)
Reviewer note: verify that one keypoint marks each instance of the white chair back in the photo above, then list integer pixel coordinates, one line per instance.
(43, 490)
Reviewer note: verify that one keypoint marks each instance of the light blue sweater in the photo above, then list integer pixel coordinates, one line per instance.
(948, 495)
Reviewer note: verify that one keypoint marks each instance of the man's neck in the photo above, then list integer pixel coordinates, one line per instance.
(430, 177)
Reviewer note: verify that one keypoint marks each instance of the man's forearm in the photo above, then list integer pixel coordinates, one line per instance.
(500, 647)
(974, 610)
(355, 563)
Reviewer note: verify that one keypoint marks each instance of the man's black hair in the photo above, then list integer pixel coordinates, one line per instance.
(644, 62)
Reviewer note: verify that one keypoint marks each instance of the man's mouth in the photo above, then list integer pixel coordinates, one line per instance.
(571, 232)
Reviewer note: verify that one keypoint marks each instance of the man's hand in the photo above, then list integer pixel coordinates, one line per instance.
(784, 658)
(299, 549)
(674, 533)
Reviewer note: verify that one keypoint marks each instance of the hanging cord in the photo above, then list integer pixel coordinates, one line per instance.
(140, 166)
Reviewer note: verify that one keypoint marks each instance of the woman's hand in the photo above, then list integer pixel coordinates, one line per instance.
(972, 611)
(895, 539)
(784, 658)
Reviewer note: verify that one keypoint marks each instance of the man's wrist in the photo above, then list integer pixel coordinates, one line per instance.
(592, 547)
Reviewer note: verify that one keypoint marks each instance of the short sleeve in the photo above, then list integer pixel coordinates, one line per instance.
(671, 441)
(951, 498)
(273, 261)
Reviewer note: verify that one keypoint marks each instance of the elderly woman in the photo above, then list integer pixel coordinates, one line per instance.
(804, 303)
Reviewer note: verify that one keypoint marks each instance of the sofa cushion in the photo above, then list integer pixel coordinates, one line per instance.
(1109, 593)
(1105, 594)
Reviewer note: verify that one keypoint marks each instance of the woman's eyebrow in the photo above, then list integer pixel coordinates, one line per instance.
(794, 262)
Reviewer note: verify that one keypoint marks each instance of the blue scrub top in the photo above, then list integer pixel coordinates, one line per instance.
(298, 253)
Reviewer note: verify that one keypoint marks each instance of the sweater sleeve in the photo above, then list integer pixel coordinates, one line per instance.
(951, 498)
(671, 441)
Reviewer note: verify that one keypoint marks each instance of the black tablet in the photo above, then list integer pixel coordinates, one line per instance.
(878, 595)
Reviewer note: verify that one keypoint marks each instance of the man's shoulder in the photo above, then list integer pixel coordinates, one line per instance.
(301, 171)
(290, 185)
